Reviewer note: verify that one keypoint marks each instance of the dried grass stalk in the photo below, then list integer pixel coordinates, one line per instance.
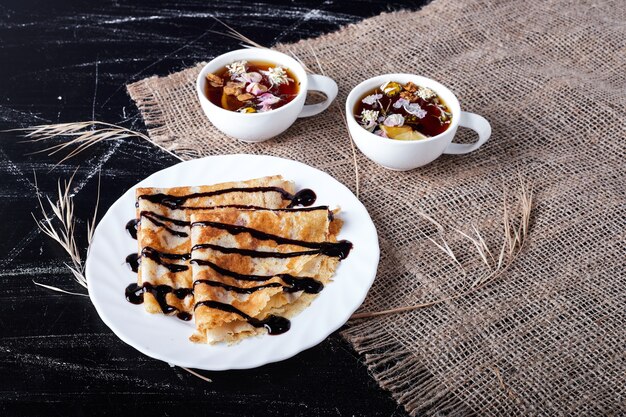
(501, 383)
(83, 135)
(197, 375)
(61, 228)
(232, 33)
(515, 235)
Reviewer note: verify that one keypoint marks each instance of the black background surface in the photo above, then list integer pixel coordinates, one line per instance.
(65, 61)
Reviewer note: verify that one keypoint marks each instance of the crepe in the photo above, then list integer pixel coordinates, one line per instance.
(257, 262)
(164, 234)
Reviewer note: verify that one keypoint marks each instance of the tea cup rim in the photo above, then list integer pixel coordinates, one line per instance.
(302, 79)
(369, 83)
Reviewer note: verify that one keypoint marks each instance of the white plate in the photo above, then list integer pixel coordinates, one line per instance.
(167, 338)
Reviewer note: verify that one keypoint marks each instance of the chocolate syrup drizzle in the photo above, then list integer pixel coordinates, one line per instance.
(295, 284)
(158, 220)
(146, 213)
(273, 324)
(256, 208)
(305, 197)
(131, 228)
(134, 294)
(254, 253)
(339, 249)
(158, 257)
(133, 260)
(240, 290)
(183, 316)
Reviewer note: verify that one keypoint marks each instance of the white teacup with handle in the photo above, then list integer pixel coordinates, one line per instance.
(258, 127)
(403, 155)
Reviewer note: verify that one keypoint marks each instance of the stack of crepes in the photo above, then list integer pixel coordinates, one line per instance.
(234, 255)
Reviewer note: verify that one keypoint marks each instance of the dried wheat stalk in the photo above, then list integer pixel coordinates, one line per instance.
(83, 135)
(503, 386)
(514, 236)
(197, 375)
(232, 33)
(61, 227)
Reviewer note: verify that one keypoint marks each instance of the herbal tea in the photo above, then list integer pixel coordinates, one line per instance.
(403, 112)
(251, 87)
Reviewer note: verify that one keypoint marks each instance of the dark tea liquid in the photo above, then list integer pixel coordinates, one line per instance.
(286, 92)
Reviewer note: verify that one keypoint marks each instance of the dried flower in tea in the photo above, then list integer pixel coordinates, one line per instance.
(394, 119)
(415, 109)
(425, 93)
(391, 88)
(249, 77)
(277, 76)
(236, 68)
(256, 88)
(214, 80)
(372, 99)
(267, 100)
(369, 119)
(233, 89)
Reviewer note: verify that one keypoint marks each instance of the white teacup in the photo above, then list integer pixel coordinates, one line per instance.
(403, 155)
(257, 127)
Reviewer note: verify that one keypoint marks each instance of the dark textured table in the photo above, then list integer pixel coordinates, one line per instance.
(70, 61)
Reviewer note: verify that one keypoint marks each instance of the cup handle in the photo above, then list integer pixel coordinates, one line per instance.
(324, 84)
(478, 124)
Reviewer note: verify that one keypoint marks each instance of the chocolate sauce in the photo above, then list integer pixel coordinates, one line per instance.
(247, 207)
(274, 324)
(339, 249)
(156, 219)
(306, 284)
(304, 197)
(184, 316)
(159, 292)
(158, 257)
(131, 228)
(132, 261)
(166, 255)
(160, 220)
(295, 284)
(177, 222)
(240, 290)
(134, 294)
(181, 293)
(253, 253)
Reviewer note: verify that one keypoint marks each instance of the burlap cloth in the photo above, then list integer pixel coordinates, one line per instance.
(549, 337)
